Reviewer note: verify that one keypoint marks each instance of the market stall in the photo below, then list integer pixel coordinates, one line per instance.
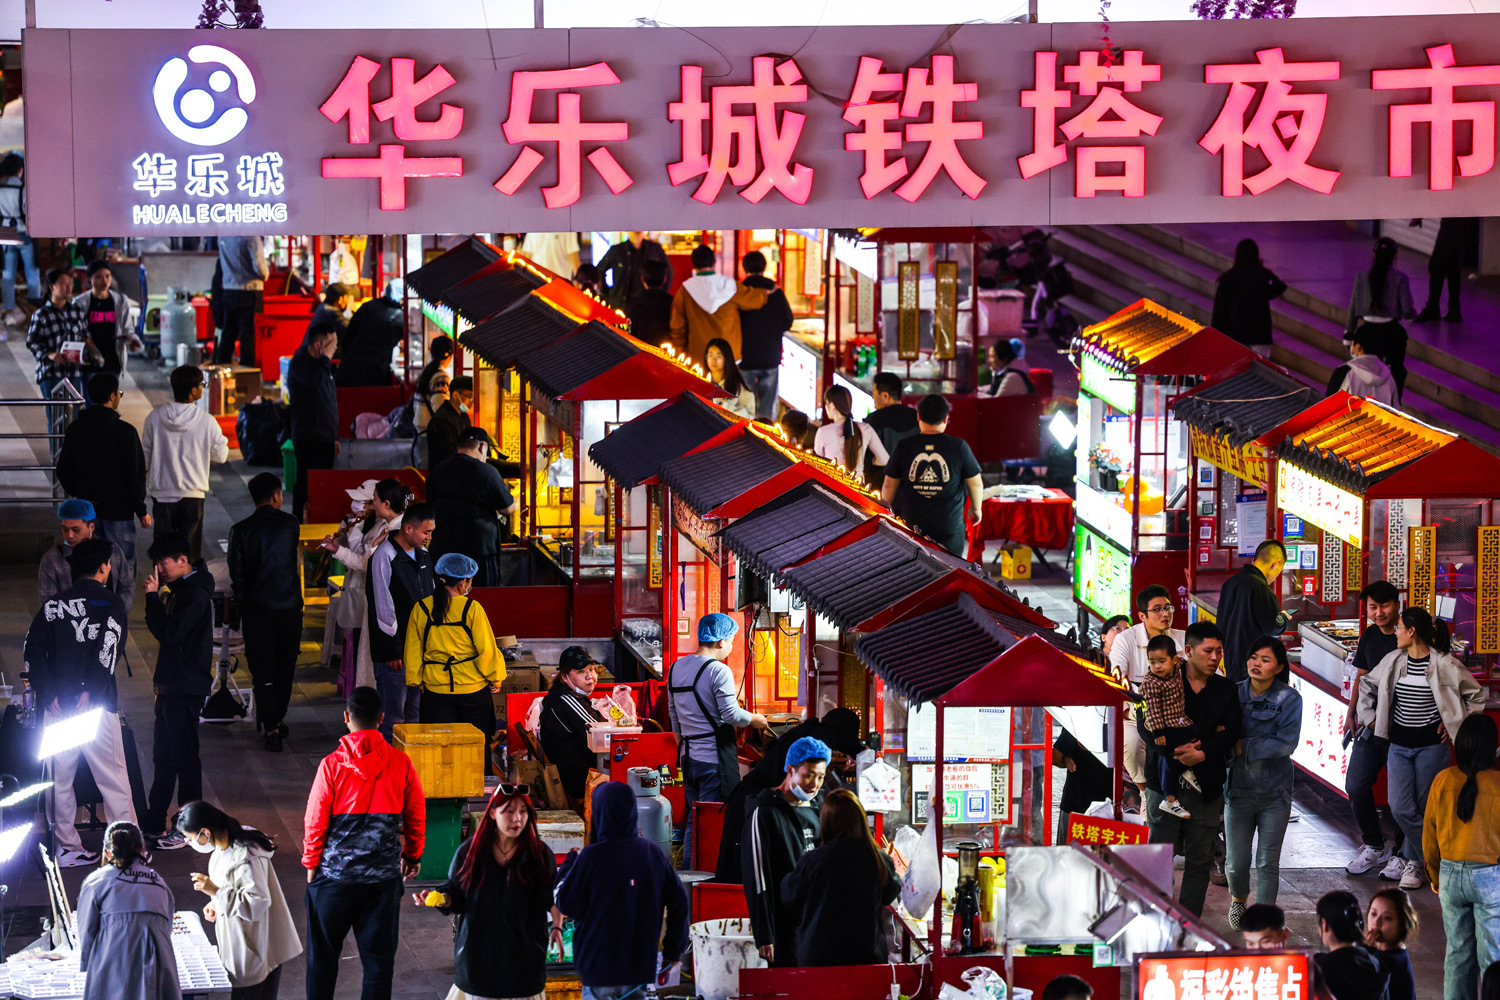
(1132, 476)
(1367, 493)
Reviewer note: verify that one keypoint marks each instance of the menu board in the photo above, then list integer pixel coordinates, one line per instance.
(1321, 750)
(972, 793)
(969, 734)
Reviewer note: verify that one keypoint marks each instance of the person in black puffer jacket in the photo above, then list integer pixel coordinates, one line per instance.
(180, 615)
(567, 717)
(315, 408)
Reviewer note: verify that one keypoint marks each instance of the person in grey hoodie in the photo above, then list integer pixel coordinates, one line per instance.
(242, 259)
(180, 440)
(1365, 374)
(54, 575)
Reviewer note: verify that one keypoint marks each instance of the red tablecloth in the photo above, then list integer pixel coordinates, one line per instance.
(1041, 524)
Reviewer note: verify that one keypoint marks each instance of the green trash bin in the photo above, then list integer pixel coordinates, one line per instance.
(288, 465)
(445, 831)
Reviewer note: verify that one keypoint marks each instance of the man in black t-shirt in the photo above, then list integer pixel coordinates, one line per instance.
(108, 316)
(1368, 752)
(928, 476)
(892, 419)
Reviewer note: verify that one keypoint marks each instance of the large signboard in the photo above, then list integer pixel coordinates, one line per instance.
(1330, 507)
(1272, 975)
(1101, 573)
(725, 128)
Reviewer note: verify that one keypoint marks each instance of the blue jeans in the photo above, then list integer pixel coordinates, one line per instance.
(611, 992)
(392, 687)
(1408, 778)
(700, 783)
(1264, 816)
(25, 254)
(1470, 894)
(762, 382)
(122, 533)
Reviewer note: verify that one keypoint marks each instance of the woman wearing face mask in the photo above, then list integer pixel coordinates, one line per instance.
(718, 361)
(499, 892)
(567, 717)
(450, 650)
(847, 442)
(781, 825)
(385, 501)
(245, 904)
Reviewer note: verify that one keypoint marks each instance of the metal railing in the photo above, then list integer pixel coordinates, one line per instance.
(61, 408)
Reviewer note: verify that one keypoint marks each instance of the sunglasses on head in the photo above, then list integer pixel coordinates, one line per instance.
(510, 790)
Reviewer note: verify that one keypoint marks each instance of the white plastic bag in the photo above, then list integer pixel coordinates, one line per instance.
(919, 890)
(980, 984)
(618, 709)
(533, 723)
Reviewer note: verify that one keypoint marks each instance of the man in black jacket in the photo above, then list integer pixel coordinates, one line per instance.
(1213, 703)
(782, 825)
(399, 576)
(101, 461)
(180, 615)
(71, 650)
(266, 602)
(761, 333)
(450, 420)
(466, 494)
(892, 419)
(650, 309)
(1248, 608)
(330, 312)
(622, 268)
(567, 717)
(314, 404)
(373, 333)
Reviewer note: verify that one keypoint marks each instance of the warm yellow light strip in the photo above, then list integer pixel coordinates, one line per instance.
(1136, 333)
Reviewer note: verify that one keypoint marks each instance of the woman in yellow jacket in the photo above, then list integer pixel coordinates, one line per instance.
(451, 653)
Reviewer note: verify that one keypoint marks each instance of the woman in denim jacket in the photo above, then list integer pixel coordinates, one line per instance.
(1259, 799)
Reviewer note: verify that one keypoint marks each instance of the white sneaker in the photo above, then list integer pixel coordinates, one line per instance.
(1411, 876)
(1292, 817)
(1174, 809)
(1393, 869)
(1191, 780)
(1367, 858)
(76, 859)
(1179, 863)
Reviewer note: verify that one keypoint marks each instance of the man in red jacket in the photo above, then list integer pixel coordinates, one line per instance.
(365, 828)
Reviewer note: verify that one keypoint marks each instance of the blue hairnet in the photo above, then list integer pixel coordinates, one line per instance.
(716, 627)
(456, 566)
(1018, 347)
(806, 749)
(75, 510)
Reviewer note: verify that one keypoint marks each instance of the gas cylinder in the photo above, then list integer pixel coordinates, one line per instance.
(653, 813)
(179, 325)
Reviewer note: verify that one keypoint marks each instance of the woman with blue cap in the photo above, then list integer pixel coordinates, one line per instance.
(705, 713)
(782, 826)
(451, 652)
(1007, 376)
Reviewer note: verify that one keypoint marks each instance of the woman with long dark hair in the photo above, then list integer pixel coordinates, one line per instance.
(1380, 301)
(451, 652)
(384, 503)
(499, 892)
(1243, 296)
(1417, 697)
(255, 930)
(1461, 835)
(842, 888)
(847, 442)
(724, 372)
(125, 924)
(1258, 801)
(1390, 920)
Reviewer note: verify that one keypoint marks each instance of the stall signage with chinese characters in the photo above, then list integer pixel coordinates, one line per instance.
(1097, 830)
(975, 735)
(1321, 751)
(1101, 574)
(1098, 379)
(1320, 502)
(1248, 463)
(618, 128)
(972, 793)
(1199, 975)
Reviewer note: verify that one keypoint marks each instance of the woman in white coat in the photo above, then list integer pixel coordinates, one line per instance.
(125, 925)
(387, 500)
(245, 903)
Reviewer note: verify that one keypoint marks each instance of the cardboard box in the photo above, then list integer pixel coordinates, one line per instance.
(1015, 562)
(519, 680)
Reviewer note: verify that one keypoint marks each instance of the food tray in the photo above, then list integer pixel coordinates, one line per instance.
(199, 970)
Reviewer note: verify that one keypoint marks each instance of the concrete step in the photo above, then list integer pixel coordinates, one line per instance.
(1115, 268)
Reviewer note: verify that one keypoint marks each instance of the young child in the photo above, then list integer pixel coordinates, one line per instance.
(1166, 718)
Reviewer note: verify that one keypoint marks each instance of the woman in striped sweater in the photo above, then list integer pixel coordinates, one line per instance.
(1417, 698)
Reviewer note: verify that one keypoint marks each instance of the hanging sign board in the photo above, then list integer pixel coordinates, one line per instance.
(945, 320)
(1282, 975)
(654, 535)
(908, 310)
(1249, 462)
(1084, 829)
(1330, 507)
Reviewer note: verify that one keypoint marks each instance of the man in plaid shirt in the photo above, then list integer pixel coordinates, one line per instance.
(56, 322)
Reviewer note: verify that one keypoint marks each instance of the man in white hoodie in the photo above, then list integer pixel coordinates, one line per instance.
(180, 441)
(708, 306)
(1365, 374)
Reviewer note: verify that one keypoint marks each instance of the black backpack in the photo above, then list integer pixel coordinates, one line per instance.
(262, 427)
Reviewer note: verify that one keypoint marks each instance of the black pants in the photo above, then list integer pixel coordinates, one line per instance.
(1440, 270)
(186, 516)
(310, 455)
(266, 989)
(272, 641)
(373, 912)
(1366, 761)
(476, 708)
(240, 307)
(175, 755)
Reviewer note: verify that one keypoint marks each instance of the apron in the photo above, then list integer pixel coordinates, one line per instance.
(723, 737)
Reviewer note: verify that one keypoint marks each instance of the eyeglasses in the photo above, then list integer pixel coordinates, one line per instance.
(1157, 609)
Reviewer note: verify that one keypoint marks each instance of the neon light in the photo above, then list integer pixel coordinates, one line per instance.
(1098, 379)
(1442, 112)
(570, 132)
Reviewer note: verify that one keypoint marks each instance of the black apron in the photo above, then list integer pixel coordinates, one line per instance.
(723, 736)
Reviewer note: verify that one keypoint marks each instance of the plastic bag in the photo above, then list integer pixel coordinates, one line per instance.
(980, 984)
(533, 723)
(919, 890)
(618, 709)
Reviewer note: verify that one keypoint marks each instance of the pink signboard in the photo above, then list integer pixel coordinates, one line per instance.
(194, 132)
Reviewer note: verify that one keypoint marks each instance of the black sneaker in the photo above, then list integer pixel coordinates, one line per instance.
(284, 729)
(274, 742)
